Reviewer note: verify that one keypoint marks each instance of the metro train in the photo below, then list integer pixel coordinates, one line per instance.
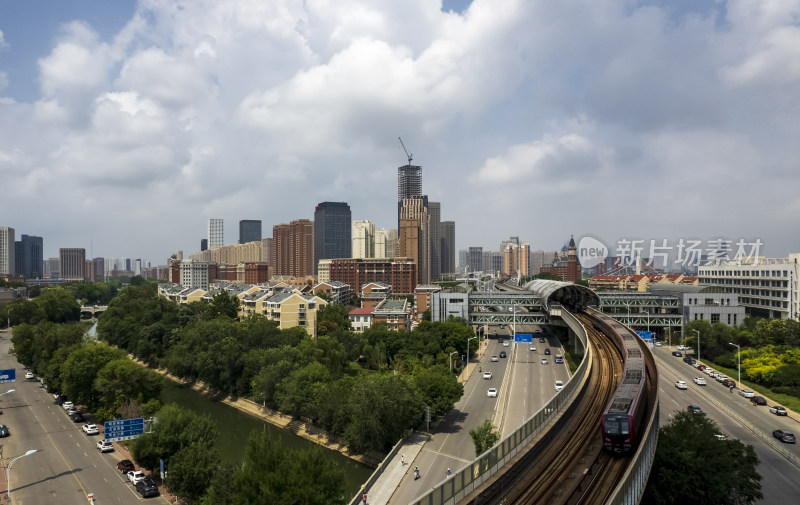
(622, 418)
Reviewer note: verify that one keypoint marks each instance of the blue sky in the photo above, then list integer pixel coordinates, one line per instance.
(610, 118)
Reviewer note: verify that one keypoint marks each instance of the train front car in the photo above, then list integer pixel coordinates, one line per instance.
(619, 430)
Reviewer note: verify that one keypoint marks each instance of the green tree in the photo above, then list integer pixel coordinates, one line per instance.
(438, 388)
(187, 476)
(176, 428)
(79, 371)
(225, 304)
(222, 488)
(121, 380)
(332, 317)
(484, 436)
(59, 305)
(692, 465)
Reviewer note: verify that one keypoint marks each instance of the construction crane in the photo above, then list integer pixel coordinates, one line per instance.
(409, 156)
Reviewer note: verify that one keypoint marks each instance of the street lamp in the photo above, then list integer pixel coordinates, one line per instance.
(9, 316)
(466, 364)
(698, 343)
(450, 359)
(8, 472)
(738, 361)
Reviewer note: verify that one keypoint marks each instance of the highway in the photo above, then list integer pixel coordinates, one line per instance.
(524, 385)
(67, 466)
(781, 479)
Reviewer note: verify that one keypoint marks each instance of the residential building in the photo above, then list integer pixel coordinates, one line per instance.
(422, 297)
(339, 292)
(360, 319)
(392, 244)
(363, 239)
(324, 270)
(373, 293)
(381, 238)
(492, 262)
(448, 247)
(332, 231)
(395, 313)
(766, 287)
(72, 263)
(7, 251)
(293, 308)
(249, 231)
(399, 273)
(293, 248)
(266, 251)
(216, 234)
(641, 282)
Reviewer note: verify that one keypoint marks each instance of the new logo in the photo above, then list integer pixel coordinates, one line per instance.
(591, 252)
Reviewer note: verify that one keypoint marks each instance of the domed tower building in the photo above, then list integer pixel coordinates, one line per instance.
(566, 265)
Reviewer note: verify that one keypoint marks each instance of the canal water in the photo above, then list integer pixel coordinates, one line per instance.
(235, 428)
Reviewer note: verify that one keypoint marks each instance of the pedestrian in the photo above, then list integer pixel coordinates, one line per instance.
(448, 473)
(731, 389)
(403, 459)
(364, 498)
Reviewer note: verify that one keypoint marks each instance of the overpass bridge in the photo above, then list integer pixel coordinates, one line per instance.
(91, 311)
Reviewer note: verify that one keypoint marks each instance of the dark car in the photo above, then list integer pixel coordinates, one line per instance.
(125, 466)
(541, 340)
(694, 409)
(499, 340)
(784, 436)
(759, 400)
(547, 351)
(3, 430)
(728, 383)
(77, 417)
(677, 353)
(502, 354)
(147, 488)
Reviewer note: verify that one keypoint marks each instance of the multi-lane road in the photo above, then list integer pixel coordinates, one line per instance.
(66, 467)
(524, 386)
(781, 479)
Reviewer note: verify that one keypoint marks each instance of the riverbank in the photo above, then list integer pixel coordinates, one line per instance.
(305, 430)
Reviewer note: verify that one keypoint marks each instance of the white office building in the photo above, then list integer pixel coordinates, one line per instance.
(194, 274)
(766, 287)
(215, 233)
(7, 251)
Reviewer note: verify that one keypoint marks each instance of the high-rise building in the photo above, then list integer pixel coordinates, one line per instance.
(363, 239)
(332, 231)
(7, 251)
(194, 274)
(448, 247)
(475, 259)
(293, 248)
(492, 262)
(203, 244)
(215, 233)
(266, 252)
(51, 266)
(415, 236)
(72, 263)
(516, 258)
(380, 243)
(392, 244)
(409, 185)
(435, 239)
(249, 231)
(99, 267)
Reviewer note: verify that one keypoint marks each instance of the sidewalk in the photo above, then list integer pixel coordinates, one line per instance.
(382, 490)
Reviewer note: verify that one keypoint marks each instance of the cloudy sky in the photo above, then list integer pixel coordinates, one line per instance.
(125, 125)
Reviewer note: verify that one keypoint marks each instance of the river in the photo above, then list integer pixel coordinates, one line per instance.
(235, 428)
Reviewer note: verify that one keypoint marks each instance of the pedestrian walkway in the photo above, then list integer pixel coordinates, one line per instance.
(398, 468)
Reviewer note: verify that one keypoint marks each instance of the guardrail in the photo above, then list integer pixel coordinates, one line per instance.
(485, 466)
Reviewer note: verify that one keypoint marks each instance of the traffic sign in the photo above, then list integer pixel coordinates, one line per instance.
(123, 429)
(647, 336)
(9, 375)
(523, 338)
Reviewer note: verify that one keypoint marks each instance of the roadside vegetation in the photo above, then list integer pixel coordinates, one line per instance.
(770, 359)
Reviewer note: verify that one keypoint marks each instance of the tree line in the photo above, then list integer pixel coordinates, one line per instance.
(366, 388)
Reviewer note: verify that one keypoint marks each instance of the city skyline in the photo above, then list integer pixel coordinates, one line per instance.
(137, 122)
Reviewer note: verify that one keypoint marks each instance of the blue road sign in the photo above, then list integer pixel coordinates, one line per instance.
(647, 336)
(523, 338)
(123, 429)
(9, 375)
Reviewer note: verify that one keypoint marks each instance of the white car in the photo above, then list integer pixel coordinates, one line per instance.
(681, 347)
(492, 393)
(746, 393)
(559, 385)
(104, 446)
(494, 357)
(700, 381)
(544, 361)
(487, 375)
(533, 348)
(135, 476)
(68, 405)
(30, 376)
(658, 344)
(681, 385)
(505, 343)
(90, 429)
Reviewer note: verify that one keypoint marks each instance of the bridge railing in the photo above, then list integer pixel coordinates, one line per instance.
(483, 468)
